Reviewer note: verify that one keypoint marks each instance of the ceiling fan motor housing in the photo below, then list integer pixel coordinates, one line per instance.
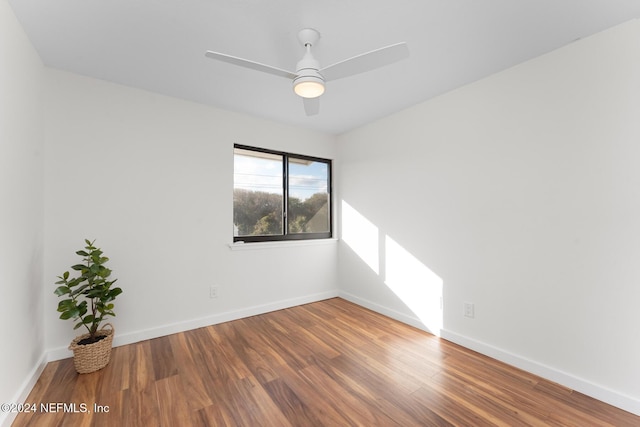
(308, 82)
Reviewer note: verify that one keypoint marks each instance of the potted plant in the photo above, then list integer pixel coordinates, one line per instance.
(89, 300)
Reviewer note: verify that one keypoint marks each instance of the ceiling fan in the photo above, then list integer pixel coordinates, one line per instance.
(309, 78)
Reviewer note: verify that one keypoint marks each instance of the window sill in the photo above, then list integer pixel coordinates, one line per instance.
(280, 244)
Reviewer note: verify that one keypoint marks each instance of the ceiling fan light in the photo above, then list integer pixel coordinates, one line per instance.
(308, 86)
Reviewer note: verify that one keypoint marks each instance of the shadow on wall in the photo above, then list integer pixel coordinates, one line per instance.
(419, 288)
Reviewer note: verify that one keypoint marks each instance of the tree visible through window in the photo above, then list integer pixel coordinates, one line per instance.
(280, 196)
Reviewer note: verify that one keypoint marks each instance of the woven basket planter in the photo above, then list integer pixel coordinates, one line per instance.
(92, 357)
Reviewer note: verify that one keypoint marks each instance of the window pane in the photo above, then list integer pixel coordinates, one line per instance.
(257, 193)
(308, 196)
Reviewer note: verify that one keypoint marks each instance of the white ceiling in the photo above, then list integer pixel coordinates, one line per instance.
(159, 45)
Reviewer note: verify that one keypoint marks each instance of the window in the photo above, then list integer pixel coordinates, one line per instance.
(280, 196)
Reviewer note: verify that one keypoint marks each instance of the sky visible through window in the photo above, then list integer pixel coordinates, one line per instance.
(265, 174)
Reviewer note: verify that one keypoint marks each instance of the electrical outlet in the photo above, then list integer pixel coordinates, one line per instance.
(213, 292)
(469, 309)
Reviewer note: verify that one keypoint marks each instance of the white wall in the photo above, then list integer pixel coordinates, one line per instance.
(521, 192)
(151, 178)
(518, 193)
(21, 208)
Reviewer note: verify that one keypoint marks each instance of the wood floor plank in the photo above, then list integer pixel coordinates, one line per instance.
(376, 364)
(329, 363)
(345, 403)
(248, 354)
(453, 410)
(164, 364)
(379, 394)
(263, 411)
(142, 406)
(141, 373)
(297, 347)
(171, 404)
(218, 350)
(272, 345)
(214, 416)
(189, 372)
(319, 404)
(292, 407)
(519, 399)
(115, 376)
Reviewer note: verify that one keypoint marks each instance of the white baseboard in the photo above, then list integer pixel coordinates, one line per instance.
(172, 328)
(6, 418)
(601, 393)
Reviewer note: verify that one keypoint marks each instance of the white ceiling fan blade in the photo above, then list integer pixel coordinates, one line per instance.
(250, 64)
(311, 106)
(366, 61)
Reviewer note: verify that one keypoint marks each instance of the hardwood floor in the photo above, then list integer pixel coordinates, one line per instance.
(330, 363)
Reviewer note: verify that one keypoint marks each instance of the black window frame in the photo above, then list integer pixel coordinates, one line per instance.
(288, 236)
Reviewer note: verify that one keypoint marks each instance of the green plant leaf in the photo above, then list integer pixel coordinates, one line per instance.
(79, 324)
(66, 304)
(62, 290)
(78, 267)
(75, 281)
(70, 314)
(104, 272)
(94, 293)
(79, 290)
(82, 253)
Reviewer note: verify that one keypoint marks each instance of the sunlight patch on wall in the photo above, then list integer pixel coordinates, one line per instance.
(361, 235)
(415, 284)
